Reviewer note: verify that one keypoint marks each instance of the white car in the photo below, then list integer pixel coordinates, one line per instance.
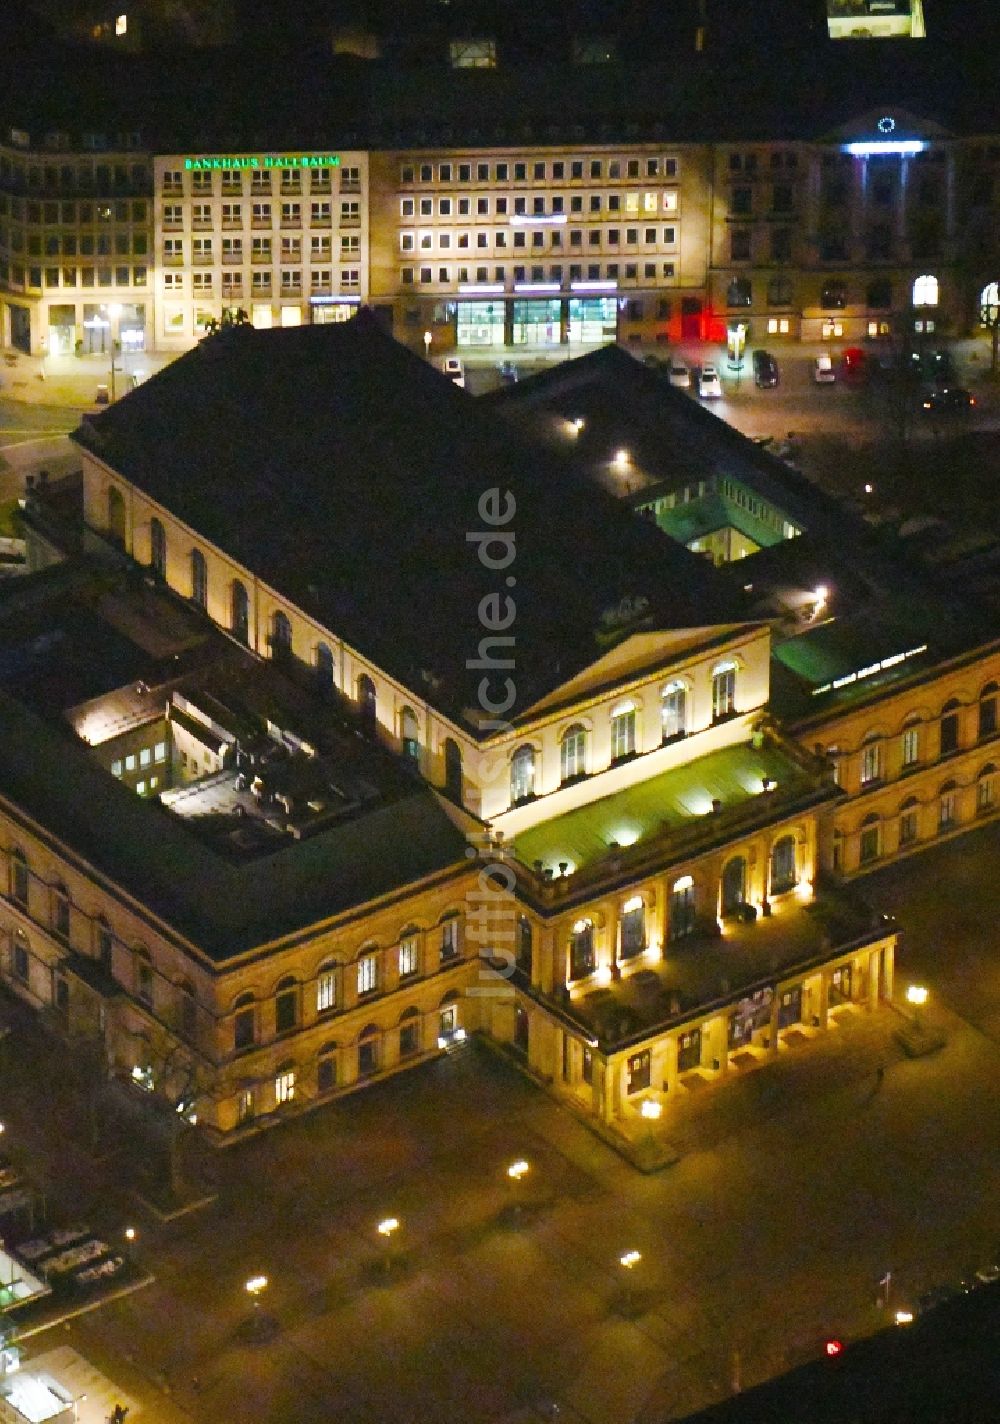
(709, 385)
(454, 370)
(823, 372)
(679, 375)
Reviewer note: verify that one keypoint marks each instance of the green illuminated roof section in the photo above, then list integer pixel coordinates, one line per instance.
(674, 799)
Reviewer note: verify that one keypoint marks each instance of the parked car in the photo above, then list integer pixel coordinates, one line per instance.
(856, 364)
(454, 370)
(823, 372)
(709, 385)
(654, 362)
(765, 369)
(950, 400)
(508, 373)
(679, 375)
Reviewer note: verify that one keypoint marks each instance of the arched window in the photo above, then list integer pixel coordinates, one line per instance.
(324, 668)
(453, 779)
(986, 788)
(909, 821)
(144, 977)
(368, 1040)
(623, 731)
(284, 1083)
(450, 938)
(409, 1032)
(409, 733)
(779, 292)
(734, 885)
(879, 294)
(988, 710)
(326, 1068)
(925, 291)
(523, 952)
(682, 907)
(367, 702)
(910, 742)
(632, 928)
(673, 711)
(157, 548)
(723, 691)
(286, 1005)
(199, 579)
(739, 292)
(784, 872)
(187, 1008)
(244, 1022)
(326, 987)
(522, 775)
(20, 952)
(19, 876)
(60, 911)
(582, 955)
(870, 847)
(573, 753)
(239, 611)
(947, 806)
(871, 759)
(281, 636)
(104, 944)
(116, 515)
(834, 295)
(949, 727)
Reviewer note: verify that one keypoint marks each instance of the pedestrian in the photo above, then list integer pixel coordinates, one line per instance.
(879, 1075)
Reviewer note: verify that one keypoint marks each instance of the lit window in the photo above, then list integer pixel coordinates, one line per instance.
(407, 956)
(582, 958)
(130, 762)
(160, 751)
(633, 927)
(572, 753)
(449, 939)
(284, 1085)
(522, 774)
(368, 974)
(140, 788)
(145, 756)
(871, 762)
(925, 291)
(673, 711)
(911, 746)
(116, 768)
(723, 691)
(326, 990)
(623, 731)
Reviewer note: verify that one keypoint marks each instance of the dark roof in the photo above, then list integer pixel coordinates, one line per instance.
(673, 439)
(223, 907)
(377, 465)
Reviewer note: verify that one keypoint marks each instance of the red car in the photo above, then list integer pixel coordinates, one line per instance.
(855, 363)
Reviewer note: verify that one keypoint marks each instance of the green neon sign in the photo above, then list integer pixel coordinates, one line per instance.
(265, 160)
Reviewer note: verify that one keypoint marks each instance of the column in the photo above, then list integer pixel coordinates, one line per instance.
(901, 233)
(720, 1043)
(772, 1032)
(670, 1065)
(822, 1010)
(858, 208)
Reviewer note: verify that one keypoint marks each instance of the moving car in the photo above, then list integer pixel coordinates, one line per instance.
(679, 375)
(856, 364)
(765, 369)
(709, 385)
(823, 372)
(950, 400)
(454, 370)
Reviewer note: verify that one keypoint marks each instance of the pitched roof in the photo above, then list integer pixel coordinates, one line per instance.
(347, 473)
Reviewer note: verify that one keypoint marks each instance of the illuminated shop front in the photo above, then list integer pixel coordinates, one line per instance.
(537, 322)
(481, 323)
(332, 309)
(592, 319)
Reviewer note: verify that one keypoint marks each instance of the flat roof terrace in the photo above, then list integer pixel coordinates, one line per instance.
(701, 970)
(681, 812)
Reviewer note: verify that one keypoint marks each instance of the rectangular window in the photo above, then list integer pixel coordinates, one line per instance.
(871, 763)
(407, 957)
(367, 974)
(911, 746)
(284, 1086)
(623, 733)
(326, 991)
(639, 1071)
(449, 940)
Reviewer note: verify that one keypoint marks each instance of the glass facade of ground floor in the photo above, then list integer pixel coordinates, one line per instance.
(536, 321)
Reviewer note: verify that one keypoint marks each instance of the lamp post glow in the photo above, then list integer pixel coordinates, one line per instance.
(628, 1262)
(916, 995)
(387, 1229)
(254, 1288)
(428, 338)
(516, 1173)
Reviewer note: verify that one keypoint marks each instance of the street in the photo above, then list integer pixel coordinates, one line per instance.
(770, 1233)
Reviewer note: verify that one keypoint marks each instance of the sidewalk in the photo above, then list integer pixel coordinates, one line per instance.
(73, 380)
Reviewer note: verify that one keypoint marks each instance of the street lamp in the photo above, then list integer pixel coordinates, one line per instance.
(516, 1173)
(255, 1287)
(428, 338)
(114, 315)
(628, 1262)
(916, 995)
(387, 1229)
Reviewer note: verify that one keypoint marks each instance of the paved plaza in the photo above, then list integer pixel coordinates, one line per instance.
(797, 1188)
